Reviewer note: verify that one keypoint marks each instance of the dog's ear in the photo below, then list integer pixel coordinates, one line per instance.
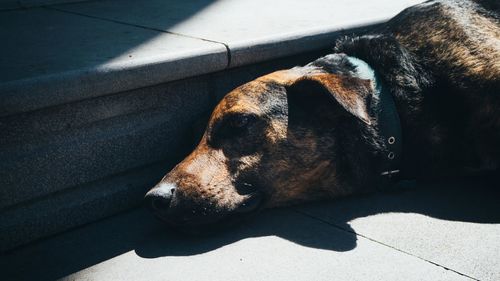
(350, 93)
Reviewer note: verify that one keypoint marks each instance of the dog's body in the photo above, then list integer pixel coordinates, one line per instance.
(452, 115)
(315, 132)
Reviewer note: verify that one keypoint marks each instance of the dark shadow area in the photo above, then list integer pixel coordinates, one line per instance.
(473, 199)
(56, 39)
(468, 200)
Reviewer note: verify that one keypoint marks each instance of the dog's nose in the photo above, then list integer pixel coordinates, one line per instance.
(159, 197)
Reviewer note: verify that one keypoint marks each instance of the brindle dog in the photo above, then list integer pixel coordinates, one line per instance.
(312, 133)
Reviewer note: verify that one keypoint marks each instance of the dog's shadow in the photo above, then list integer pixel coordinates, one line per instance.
(317, 225)
(326, 225)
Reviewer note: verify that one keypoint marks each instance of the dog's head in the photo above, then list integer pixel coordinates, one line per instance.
(290, 136)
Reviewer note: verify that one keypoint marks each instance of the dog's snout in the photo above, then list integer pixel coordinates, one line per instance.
(159, 197)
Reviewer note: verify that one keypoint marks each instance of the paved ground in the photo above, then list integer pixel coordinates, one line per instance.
(434, 232)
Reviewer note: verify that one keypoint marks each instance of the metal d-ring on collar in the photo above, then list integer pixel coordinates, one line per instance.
(389, 125)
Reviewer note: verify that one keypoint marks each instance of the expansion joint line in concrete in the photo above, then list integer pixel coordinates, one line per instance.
(378, 242)
(228, 51)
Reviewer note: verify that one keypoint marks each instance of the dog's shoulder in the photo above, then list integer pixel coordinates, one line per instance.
(457, 40)
(455, 43)
(441, 60)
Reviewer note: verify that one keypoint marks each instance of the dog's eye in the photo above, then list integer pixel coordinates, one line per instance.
(236, 125)
(232, 126)
(239, 121)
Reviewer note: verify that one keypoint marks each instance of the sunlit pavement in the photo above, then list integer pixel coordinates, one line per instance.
(434, 232)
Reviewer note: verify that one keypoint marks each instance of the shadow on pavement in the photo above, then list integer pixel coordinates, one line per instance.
(468, 200)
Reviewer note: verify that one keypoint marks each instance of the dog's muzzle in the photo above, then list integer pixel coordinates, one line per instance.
(195, 217)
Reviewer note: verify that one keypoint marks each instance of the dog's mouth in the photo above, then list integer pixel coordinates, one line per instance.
(215, 221)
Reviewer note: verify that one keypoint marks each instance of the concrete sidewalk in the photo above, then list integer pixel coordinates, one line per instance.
(435, 232)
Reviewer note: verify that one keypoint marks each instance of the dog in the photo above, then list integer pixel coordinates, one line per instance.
(417, 98)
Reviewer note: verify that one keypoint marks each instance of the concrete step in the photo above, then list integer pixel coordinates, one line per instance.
(19, 4)
(98, 98)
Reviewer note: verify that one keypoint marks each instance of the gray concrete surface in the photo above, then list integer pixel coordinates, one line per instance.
(77, 162)
(437, 232)
(17, 4)
(456, 225)
(36, 3)
(9, 4)
(56, 57)
(98, 137)
(254, 30)
(69, 52)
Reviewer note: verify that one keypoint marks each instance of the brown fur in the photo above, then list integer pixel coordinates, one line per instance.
(462, 44)
(307, 133)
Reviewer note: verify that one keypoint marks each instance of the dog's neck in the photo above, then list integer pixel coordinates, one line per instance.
(383, 109)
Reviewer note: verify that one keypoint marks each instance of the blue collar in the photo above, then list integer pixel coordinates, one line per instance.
(383, 108)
